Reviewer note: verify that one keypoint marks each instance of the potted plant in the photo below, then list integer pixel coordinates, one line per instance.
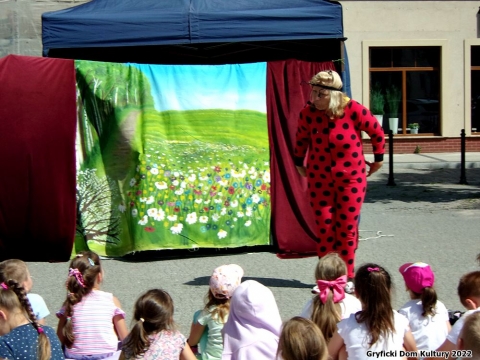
(413, 128)
(393, 95)
(377, 102)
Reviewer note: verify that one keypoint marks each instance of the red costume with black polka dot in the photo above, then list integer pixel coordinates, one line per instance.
(336, 173)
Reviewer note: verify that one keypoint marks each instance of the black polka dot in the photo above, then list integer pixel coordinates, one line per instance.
(299, 143)
(350, 243)
(354, 190)
(309, 119)
(325, 131)
(341, 155)
(313, 194)
(353, 137)
(323, 231)
(364, 112)
(316, 167)
(318, 119)
(326, 193)
(328, 221)
(345, 126)
(359, 199)
(354, 116)
(359, 180)
(331, 125)
(318, 185)
(355, 154)
(318, 212)
(323, 203)
(347, 164)
(330, 239)
(345, 198)
(339, 174)
(323, 249)
(352, 208)
(331, 146)
(344, 252)
(367, 124)
(343, 216)
(350, 262)
(318, 140)
(327, 169)
(314, 131)
(340, 137)
(321, 158)
(343, 234)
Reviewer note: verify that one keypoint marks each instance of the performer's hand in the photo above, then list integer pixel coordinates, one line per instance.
(373, 167)
(302, 170)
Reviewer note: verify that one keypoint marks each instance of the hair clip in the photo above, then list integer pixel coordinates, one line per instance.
(69, 318)
(373, 269)
(40, 330)
(142, 320)
(79, 255)
(91, 262)
(4, 286)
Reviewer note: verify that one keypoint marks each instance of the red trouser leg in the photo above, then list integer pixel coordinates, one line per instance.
(349, 202)
(322, 197)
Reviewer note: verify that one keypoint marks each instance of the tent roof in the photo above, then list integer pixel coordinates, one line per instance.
(117, 23)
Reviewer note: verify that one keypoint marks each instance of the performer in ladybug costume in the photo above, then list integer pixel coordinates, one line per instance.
(329, 128)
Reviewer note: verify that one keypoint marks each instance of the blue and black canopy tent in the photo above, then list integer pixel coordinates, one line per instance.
(198, 32)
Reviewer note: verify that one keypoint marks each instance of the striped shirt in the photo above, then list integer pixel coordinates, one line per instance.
(93, 327)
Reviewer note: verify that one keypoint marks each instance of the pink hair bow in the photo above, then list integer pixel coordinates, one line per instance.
(337, 286)
(78, 275)
(4, 286)
(373, 269)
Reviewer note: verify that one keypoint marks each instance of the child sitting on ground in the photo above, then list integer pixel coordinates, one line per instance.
(469, 338)
(223, 282)
(91, 321)
(22, 337)
(153, 337)
(377, 327)
(254, 324)
(427, 316)
(330, 304)
(301, 339)
(17, 270)
(469, 293)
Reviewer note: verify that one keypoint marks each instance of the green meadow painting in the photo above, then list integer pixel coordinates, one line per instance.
(171, 157)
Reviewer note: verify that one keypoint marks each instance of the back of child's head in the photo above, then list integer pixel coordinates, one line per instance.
(153, 312)
(223, 282)
(372, 286)
(83, 274)
(419, 278)
(469, 287)
(13, 299)
(301, 339)
(331, 278)
(14, 269)
(470, 335)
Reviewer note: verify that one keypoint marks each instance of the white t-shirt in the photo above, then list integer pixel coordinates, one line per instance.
(349, 305)
(457, 327)
(429, 332)
(356, 338)
(38, 306)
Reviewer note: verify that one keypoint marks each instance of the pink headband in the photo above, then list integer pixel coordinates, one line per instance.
(337, 286)
(4, 286)
(78, 275)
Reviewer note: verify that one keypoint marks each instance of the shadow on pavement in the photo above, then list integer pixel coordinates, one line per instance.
(270, 282)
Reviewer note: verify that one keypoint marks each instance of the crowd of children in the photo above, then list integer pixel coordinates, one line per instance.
(241, 320)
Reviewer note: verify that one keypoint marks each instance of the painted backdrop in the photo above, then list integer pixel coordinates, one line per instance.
(171, 157)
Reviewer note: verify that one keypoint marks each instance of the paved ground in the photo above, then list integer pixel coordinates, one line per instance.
(427, 217)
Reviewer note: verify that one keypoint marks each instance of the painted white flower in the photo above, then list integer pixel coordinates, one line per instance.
(172, 217)
(207, 201)
(240, 214)
(133, 182)
(223, 182)
(223, 211)
(175, 182)
(203, 219)
(134, 212)
(222, 234)
(176, 229)
(183, 184)
(160, 216)
(245, 166)
(266, 163)
(266, 176)
(161, 185)
(215, 217)
(150, 200)
(255, 198)
(217, 201)
(154, 171)
(219, 194)
(191, 218)
(252, 170)
(162, 165)
(203, 178)
(235, 219)
(234, 203)
(144, 220)
(143, 199)
(152, 212)
(198, 201)
(192, 177)
(254, 175)
(179, 191)
(121, 208)
(176, 174)
(248, 223)
(248, 212)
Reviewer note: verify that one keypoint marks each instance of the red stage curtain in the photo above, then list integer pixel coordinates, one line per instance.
(293, 224)
(37, 158)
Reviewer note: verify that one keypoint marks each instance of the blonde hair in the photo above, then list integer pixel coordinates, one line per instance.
(301, 339)
(14, 269)
(338, 99)
(470, 334)
(326, 316)
(221, 307)
(14, 298)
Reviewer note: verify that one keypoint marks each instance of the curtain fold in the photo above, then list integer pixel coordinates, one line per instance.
(293, 223)
(37, 158)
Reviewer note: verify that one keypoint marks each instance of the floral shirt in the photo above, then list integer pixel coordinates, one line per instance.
(165, 345)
